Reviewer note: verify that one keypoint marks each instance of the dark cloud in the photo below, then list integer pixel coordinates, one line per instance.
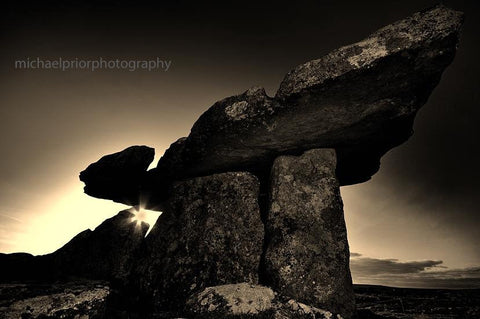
(391, 266)
(415, 274)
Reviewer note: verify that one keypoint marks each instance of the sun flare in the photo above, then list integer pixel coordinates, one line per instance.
(141, 214)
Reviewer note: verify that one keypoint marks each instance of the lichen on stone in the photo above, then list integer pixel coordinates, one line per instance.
(236, 111)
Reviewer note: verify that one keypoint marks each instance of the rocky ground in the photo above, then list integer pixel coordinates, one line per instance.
(90, 300)
(75, 299)
(403, 303)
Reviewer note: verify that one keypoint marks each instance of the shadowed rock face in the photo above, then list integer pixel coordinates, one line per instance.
(210, 234)
(307, 256)
(106, 253)
(360, 99)
(118, 176)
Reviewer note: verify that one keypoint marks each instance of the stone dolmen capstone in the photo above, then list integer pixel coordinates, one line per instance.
(360, 99)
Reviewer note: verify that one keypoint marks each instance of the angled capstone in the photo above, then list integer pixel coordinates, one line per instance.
(360, 100)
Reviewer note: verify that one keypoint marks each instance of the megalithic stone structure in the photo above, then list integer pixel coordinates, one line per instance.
(328, 125)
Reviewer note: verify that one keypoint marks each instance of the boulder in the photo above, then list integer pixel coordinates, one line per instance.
(307, 255)
(232, 301)
(248, 301)
(118, 176)
(209, 234)
(360, 99)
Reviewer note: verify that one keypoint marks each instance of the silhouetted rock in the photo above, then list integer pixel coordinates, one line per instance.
(23, 266)
(105, 253)
(15, 266)
(307, 256)
(118, 176)
(211, 234)
(69, 300)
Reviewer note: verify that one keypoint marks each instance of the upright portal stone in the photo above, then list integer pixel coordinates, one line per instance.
(307, 255)
(210, 234)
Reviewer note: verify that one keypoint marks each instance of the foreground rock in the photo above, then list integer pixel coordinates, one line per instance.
(248, 301)
(68, 300)
(307, 255)
(360, 99)
(232, 301)
(118, 176)
(211, 234)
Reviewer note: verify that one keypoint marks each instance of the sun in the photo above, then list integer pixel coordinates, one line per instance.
(141, 214)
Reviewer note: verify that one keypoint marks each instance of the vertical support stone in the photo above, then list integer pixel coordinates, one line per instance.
(307, 254)
(210, 234)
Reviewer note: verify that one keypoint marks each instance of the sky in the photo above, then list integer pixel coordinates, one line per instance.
(415, 224)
